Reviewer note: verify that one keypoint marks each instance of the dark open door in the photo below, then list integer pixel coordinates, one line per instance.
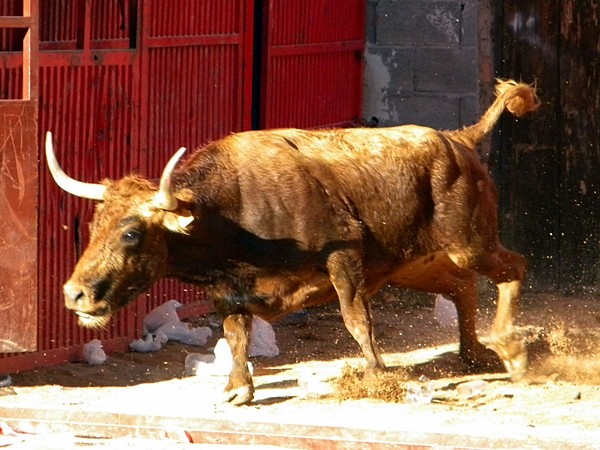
(19, 191)
(548, 165)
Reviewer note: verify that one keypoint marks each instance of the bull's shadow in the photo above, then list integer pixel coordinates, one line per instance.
(406, 331)
(404, 326)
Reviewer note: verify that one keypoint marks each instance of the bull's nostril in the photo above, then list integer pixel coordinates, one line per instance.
(73, 294)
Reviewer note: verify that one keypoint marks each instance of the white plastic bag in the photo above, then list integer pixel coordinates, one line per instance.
(197, 336)
(182, 332)
(163, 324)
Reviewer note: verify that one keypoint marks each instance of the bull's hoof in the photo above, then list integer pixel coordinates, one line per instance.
(513, 353)
(481, 359)
(373, 373)
(240, 396)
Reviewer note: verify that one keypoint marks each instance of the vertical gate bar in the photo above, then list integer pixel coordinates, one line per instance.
(30, 51)
(87, 25)
(265, 62)
(145, 23)
(246, 58)
(19, 229)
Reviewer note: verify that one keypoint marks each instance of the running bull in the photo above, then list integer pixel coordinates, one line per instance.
(272, 221)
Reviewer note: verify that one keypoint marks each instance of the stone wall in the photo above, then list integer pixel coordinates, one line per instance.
(421, 62)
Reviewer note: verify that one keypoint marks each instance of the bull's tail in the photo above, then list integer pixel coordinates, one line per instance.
(518, 98)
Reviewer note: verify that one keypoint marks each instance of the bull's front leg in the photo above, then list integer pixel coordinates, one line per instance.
(239, 389)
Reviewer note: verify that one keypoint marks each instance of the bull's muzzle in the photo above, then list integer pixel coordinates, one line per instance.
(78, 300)
(73, 295)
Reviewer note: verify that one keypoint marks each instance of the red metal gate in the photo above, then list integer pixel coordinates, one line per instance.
(312, 62)
(18, 184)
(116, 85)
(196, 73)
(124, 83)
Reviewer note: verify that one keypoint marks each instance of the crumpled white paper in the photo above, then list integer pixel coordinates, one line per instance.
(262, 339)
(218, 364)
(444, 311)
(165, 313)
(163, 324)
(93, 353)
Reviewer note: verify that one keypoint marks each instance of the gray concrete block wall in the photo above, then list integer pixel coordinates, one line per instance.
(421, 62)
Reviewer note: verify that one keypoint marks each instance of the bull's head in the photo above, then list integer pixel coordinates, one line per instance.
(127, 250)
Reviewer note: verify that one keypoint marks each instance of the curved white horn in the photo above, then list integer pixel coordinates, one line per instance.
(70, 185)
(164, 199)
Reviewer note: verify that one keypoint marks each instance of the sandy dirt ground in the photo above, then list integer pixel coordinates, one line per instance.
(557, 405)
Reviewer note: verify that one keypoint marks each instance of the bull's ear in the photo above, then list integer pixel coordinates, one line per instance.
(178, 221)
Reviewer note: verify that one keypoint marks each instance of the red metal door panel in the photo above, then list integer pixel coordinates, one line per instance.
(196, 86)
(18, 226)
(312, 62)
(89, 108)
(61, 21)
(19, 182)
(196, 74)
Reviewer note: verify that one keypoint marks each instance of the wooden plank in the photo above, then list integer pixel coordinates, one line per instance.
(579, 128)
(211, 432)
(14, 22)
(31, 44)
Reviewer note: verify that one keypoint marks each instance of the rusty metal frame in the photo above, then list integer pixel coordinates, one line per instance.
(31, 44)
(19, 179)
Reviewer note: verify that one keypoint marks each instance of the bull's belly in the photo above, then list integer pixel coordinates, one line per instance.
(429, 273)
(293, 293)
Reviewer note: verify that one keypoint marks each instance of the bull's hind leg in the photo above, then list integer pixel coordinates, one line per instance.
(347, 278)
(507, 270)
(508, 277)
(438, 274)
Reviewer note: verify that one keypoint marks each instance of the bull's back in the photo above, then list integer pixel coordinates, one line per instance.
(309, 184)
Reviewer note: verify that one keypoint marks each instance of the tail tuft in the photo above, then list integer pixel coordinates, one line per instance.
(523, 97)
(518, 98)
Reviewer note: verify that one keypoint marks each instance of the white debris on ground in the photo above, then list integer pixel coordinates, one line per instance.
(262, 343)
(444, 311)
(165, 313)
(162, 324)
(219, 363)
(93, 353)
(149, 343)
(262, 339)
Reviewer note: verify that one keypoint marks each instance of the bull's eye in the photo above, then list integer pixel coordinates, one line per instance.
(131, 237)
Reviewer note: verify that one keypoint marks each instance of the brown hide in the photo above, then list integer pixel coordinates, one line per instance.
(273, 221)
